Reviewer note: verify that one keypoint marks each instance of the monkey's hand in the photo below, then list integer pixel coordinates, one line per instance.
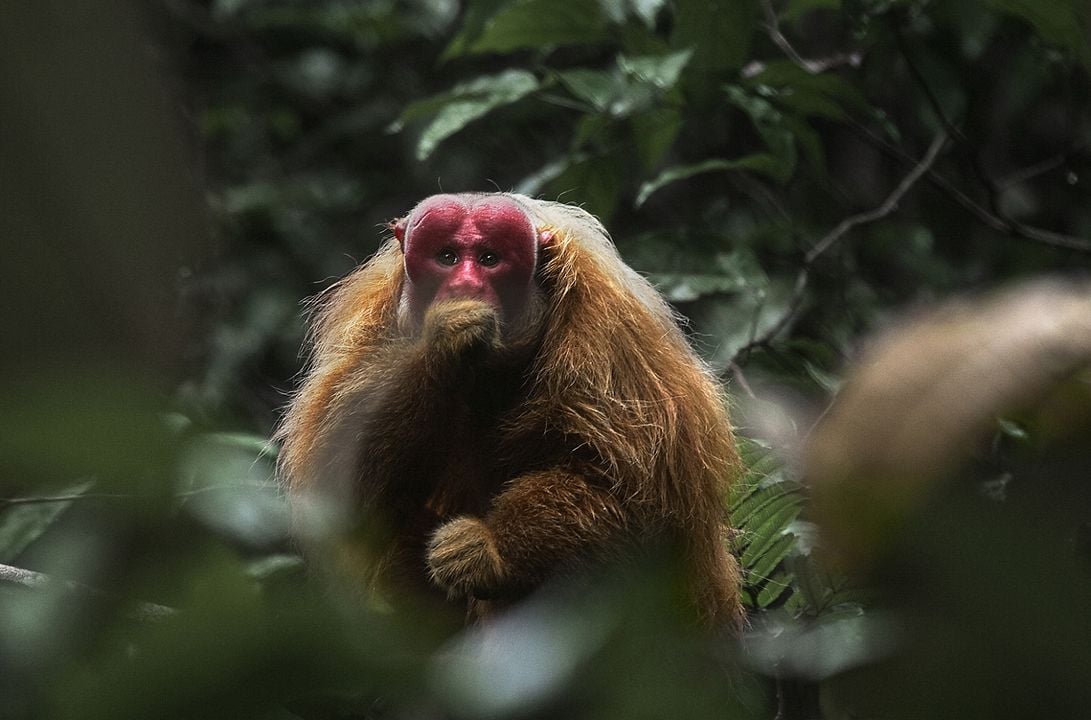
(461, 329)
(463, 559)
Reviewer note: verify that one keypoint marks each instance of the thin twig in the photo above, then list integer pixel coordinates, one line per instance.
(814, 67)
(983, 214)
(772, 26)
(992, 187)
(993, 218)
(40, 499)
(888, 206)
(1030, 172)
(967, 148)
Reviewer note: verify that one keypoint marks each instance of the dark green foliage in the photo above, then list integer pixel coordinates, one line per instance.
(733, 147)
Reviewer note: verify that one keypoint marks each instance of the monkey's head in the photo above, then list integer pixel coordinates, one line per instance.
(470, 247)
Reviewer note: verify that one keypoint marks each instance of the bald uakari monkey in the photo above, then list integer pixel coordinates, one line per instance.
(495, 399)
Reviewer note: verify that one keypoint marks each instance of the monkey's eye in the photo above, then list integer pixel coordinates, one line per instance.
(447, 256)
(489, 259)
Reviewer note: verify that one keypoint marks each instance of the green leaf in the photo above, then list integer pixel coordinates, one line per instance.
(816, 585)
(798, 8)
(250, 443)
(478, 14)
(597, 88)
(530, 24)
(662, 71)
(809, 142)
(451, 119)
(1059, 22)
(808, 103)
(718, 31)
(532, 184)
(763, 468)
(646, 10)
(774, 589)
(807, 536)
(824, 647)
(229, 484)
(482, 86)
(825, 94)
(753, 451)
(464, 104)
(764, 163)
(687, 287)
(630, 86)
(654, 133)
(764, 471)
(762, 503)
(735, 319)
(764, 507)
(767, 527)
(762, 565)
(596, 180)
(769, 122)
(778, 164)
(594, 131)
(684, 273)
(21, 525)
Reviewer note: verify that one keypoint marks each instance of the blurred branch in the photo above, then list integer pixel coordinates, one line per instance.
(827, 241)
(32, 580)
(42, 499)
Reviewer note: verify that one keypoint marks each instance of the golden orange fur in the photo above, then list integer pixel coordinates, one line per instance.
(599, 428)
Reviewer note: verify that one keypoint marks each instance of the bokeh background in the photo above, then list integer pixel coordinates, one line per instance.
(177, 176)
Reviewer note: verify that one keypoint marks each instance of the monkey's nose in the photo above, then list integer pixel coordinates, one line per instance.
(466, 283)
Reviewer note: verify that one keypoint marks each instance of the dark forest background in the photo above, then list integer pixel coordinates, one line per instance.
(177, 176)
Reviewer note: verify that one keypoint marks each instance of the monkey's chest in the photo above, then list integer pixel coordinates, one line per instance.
(471, 470)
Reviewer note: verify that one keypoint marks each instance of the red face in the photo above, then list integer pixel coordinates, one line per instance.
(479, 247)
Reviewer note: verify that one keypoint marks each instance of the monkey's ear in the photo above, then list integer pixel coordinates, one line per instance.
(546, 236)
(398, 226)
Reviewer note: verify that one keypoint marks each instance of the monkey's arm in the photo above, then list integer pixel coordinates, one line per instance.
(542, 521)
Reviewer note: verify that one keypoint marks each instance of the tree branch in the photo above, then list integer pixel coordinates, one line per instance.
(888, 206)
(42, 499)
(994, 214)
(142, 612)
(814, 67)
(991, 217)
(983, 214)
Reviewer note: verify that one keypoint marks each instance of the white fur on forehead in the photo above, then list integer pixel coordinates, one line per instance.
(570, 219)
